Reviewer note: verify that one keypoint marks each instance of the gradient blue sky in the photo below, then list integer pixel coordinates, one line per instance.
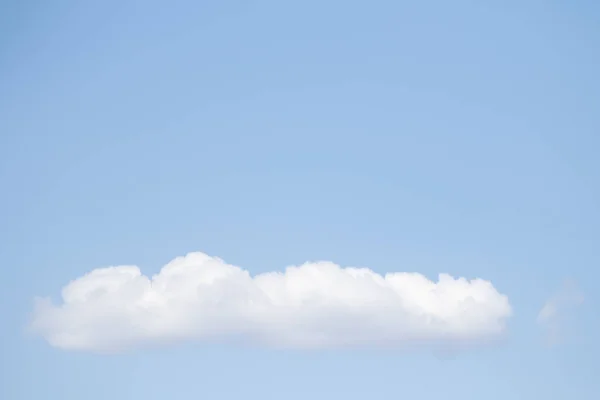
(435, 136)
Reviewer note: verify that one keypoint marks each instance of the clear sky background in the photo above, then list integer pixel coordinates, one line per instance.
(433, 136)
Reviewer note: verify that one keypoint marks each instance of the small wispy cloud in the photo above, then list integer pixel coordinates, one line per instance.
(554, 315)
(314, 305)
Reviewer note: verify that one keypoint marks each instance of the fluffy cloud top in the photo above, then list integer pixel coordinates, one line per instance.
(315, 305)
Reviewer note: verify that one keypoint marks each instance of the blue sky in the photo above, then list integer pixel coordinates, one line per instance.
(433, 137)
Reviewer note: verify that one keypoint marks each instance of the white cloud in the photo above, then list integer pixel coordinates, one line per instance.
(315, 305)
(553, 315)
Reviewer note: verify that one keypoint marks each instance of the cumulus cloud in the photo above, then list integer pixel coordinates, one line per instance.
(314, 305)
(554, 315)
